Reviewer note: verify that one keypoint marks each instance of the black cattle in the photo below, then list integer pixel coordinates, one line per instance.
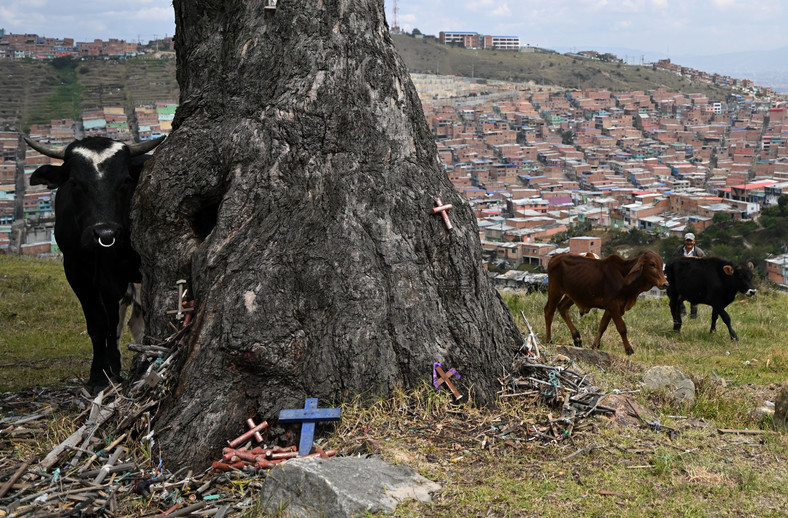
(707, 280)
(94, 185)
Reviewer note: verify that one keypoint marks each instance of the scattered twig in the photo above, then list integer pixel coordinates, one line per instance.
(745, 431)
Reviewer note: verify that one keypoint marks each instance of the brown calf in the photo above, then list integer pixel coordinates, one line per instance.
(612, 284)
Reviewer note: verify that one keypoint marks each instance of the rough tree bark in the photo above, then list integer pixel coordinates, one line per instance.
(294, 194)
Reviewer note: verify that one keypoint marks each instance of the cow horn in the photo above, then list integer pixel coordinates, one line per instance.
(53, 152)
(140, 148)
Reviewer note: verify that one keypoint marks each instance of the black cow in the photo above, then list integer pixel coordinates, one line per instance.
(95, 184)
(707, 280)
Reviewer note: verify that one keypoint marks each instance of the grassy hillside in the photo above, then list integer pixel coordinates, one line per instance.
(36, 92)
(25, 87)
(541, 67)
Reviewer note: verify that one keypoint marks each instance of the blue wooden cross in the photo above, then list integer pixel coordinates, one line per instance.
(308, 416)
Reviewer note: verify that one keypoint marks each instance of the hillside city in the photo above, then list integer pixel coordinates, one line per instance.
(531, 160)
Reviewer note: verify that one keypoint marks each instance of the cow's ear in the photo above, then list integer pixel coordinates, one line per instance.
(53, 176)
(637, 268)
(137, 163)
(751, 266)
(728, 269)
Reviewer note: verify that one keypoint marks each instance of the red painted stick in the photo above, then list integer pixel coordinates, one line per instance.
(242, 438)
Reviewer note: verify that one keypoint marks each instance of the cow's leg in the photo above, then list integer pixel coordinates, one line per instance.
(95, 319)
(553, 297)
(621, 326)
(675, 310)
(111, 298)
(725, 318)
(563, 308)
(603, 323)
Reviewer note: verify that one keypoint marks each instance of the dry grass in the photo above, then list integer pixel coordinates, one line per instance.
(618, 472)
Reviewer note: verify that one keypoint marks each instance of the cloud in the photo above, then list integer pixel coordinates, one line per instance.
(502, 10)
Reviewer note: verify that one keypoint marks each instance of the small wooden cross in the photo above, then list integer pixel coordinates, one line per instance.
(308, 416)
(252, 426)
(440, 208)
(105, 469)
(253, 432)
(181, 309)
(440, 377)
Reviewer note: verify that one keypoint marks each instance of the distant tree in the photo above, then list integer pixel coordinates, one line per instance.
(782, 202)
(415, 32)
(724, 251)
(667, 246)
(64, 62)
(721, 218)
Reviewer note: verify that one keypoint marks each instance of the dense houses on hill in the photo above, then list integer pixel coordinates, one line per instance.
(533, 161)
(19, 46)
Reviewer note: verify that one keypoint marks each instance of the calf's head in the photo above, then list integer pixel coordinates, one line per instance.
(649, 269)
(97, 180)
(741, 276)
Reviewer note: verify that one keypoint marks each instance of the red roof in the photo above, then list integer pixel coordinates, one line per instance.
(755, 185)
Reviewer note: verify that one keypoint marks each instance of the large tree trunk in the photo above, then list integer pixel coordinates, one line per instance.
(295, 196)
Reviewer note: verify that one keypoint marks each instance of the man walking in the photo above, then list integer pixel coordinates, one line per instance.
(688, 249)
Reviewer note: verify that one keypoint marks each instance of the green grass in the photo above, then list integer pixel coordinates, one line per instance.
(65, 102)
(42, 340)
(759, 357)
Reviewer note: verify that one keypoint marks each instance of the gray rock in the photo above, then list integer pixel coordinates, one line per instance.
(678, 385)
(341, 487)
(781, 410)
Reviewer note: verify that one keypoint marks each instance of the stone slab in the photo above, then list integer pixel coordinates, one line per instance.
(341, 487)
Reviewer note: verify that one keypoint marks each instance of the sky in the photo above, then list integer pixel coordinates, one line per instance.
(666, 27)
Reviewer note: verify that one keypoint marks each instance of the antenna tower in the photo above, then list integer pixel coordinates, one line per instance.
(395, 27)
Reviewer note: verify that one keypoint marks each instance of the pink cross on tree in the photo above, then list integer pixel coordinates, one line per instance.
(441, 209)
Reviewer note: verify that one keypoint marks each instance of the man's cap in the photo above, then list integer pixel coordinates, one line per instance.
(690, 236)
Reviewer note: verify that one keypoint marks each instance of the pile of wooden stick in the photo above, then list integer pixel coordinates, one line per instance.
(109, 465)
(558, 386)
